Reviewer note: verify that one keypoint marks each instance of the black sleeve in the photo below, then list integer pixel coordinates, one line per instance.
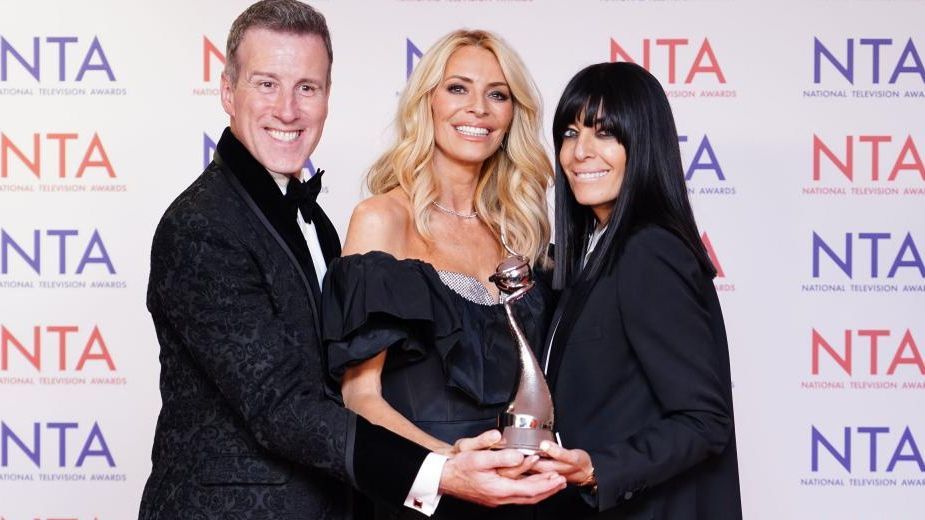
(207, 290)
(385, 464)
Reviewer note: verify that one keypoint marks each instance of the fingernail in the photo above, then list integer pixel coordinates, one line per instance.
(544, 446)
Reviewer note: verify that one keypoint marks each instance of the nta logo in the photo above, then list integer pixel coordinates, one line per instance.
(56, 439)
(211, 55)
(885, 162)
(904, 256)
(842, 352)
(38, 159)
(908, 61)
(57, 54)
(665, 54)
(903, 449)
(94, 251)
(92, 348)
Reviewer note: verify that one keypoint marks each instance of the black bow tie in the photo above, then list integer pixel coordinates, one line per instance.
(302, 195)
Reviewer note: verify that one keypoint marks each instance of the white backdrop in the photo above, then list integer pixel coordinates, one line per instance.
(107, 108)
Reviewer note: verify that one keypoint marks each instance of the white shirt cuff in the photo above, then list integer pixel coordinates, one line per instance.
(424, 495)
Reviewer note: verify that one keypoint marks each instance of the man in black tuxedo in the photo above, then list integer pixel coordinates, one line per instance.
(246, 430)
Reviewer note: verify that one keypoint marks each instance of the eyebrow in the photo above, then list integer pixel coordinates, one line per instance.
(579, 121)
(276, 77)
(470, 80)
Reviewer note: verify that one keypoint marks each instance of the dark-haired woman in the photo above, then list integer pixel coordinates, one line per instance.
(637, 357)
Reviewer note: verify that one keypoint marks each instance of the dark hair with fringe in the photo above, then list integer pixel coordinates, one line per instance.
(627, 101)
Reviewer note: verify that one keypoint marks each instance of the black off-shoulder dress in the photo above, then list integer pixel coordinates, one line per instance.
(452, 363)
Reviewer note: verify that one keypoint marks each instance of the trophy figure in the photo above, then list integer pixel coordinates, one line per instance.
(528, 419)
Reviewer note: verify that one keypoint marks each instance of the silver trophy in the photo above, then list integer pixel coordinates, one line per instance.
(528, 419)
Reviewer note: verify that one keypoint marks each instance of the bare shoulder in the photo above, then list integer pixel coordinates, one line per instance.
(379, 223)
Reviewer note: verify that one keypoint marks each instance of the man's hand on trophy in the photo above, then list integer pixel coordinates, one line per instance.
(574, 465)
(474, 475)
(492, 439)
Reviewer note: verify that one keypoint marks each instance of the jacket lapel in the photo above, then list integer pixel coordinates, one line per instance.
(239, 189)
(259, 192)
(570, 307)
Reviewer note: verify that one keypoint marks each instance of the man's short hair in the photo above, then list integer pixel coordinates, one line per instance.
(287, 16)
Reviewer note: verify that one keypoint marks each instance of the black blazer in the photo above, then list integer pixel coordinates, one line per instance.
(245, 429)
(639, 370)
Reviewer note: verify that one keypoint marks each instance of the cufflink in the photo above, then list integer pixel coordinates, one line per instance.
(417, 503)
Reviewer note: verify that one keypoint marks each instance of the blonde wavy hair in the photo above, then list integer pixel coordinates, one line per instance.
(511, 193)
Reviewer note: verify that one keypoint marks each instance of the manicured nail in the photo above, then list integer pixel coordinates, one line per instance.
(544, 446)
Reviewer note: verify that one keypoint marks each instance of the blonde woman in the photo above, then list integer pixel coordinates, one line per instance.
(414, 330)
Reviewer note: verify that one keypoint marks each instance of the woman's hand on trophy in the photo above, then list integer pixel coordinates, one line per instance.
(575, 465)
(445, 449)
(484, 441)
(526, 467)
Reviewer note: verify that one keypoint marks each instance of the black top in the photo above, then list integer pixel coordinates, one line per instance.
(452, 363)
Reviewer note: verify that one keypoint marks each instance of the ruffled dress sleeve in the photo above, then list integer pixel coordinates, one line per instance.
(373, 302)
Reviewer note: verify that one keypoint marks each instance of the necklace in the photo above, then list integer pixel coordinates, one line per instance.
(449, 211)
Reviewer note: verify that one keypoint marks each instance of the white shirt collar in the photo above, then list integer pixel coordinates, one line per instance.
(282, 180)
(592, 242)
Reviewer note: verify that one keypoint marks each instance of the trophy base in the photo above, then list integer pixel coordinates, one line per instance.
(525, 440)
